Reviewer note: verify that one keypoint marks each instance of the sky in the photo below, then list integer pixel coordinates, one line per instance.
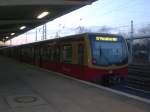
(111, 13)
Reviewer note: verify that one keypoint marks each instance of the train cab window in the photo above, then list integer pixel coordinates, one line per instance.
(67, 53)
(108, 51)
(80, 54)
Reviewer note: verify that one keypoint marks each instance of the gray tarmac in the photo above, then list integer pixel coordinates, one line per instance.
(26, 88)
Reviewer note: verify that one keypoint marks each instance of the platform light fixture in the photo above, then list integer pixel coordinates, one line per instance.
(12, 34)
(22, 27)
(42, 15)
(6, 37)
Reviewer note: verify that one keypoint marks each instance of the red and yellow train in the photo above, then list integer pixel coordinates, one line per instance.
(91, 57)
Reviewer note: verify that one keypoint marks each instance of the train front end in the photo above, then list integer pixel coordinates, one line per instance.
(108, 58)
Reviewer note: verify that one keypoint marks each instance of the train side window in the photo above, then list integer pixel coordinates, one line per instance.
(43, 52)
(37, 52)
(56, 54)
(67, 53)
(57, 57)
(50, 53)
(80, 54)
(30, 52)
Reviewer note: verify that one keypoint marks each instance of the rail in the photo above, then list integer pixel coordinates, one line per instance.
(139, 77)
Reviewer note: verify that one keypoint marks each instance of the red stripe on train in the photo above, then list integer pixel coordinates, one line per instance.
(82, 72)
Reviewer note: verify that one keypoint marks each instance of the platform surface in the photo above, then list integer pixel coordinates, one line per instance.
(25, 88)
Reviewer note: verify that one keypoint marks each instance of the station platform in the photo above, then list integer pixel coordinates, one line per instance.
(26, 88)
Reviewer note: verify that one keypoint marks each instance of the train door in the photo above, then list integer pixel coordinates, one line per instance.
(43, 56)
(56, 57)
(80, 60)
(19, 53)
(32, 55)
(37, 56)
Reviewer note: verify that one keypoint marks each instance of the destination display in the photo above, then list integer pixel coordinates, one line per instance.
(113, 39)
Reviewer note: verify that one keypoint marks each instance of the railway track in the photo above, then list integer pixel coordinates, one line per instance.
(139, 77)
(137, 82)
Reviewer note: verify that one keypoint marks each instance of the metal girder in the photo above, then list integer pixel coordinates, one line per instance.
(21, 21)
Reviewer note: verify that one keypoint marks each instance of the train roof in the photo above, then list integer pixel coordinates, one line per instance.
(66, 37)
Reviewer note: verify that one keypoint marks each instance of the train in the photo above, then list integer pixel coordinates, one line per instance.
(94, 57)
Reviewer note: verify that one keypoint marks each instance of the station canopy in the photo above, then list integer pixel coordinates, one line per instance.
(19, 16)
